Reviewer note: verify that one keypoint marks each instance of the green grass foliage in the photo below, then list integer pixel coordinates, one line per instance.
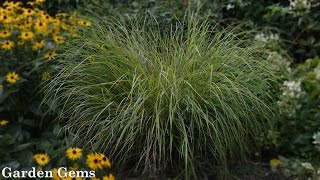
(164, 100)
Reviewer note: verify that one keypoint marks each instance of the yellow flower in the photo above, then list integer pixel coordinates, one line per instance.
(50, 55)
(61, 15)
(104, 160)
(94, 161)
(55, 175)
(27, 12)
(41, 159)
(18, 25)
(38, 45)
(36, 2)
(74, 153)
(27, 35)
(27, 25)
(7, 45)
(3, 122)
(84, 23)
(275, 163)
(4, 33)
(110, 177)
(21, 43)
(46, 76)
(12, 77)
(45, 17)
(95, 178)
(12, 4)
(5, 18)
(58, 39)
(41, 26)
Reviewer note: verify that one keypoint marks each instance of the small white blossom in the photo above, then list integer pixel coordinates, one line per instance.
(292, 88)
(266, 38)
(274, 37)
(230, 6)
(307, 165)
(300, 5)
(316, 138)
(317, 72)
(261, 37)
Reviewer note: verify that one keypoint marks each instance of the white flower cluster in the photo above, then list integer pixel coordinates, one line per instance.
(307, 165)
(279, 60)
(292, 89)
(316, 138)
(300, 5)
(230, 6)
(265, 38)
(317, 72)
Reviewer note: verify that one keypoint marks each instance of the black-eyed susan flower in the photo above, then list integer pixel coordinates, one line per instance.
(50, 55)
(6, 19)
(74, 153)
(5, 33)
(36, 2)
(45, 76)
(7, 45)
(21, 42)
(41, 26)
(94, 161)
(12, 77)
(94, 178)
(109, 177)
(55, 175)
(18, 25)
(4, 122)
(275, 163)
(61, 15)
(105, 161)
(11, 4)
(84, 23)
(58, 39)
(38, 45)
(27, 12)
(41, 159)
(27, 35)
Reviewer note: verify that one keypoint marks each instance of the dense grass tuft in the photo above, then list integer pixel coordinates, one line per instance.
(164, 100)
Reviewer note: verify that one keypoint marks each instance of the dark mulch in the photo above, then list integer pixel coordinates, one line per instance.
(256, 171)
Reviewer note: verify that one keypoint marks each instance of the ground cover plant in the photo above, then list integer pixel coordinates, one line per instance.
(188, 98)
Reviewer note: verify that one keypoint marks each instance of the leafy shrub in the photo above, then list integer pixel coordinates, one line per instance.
(300, 113)
(296, 22)
(184, 98)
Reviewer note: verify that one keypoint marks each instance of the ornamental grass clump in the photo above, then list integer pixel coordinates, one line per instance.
(164, 100)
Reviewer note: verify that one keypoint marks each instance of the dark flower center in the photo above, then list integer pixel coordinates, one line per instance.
(95, 161)
(74, 152)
